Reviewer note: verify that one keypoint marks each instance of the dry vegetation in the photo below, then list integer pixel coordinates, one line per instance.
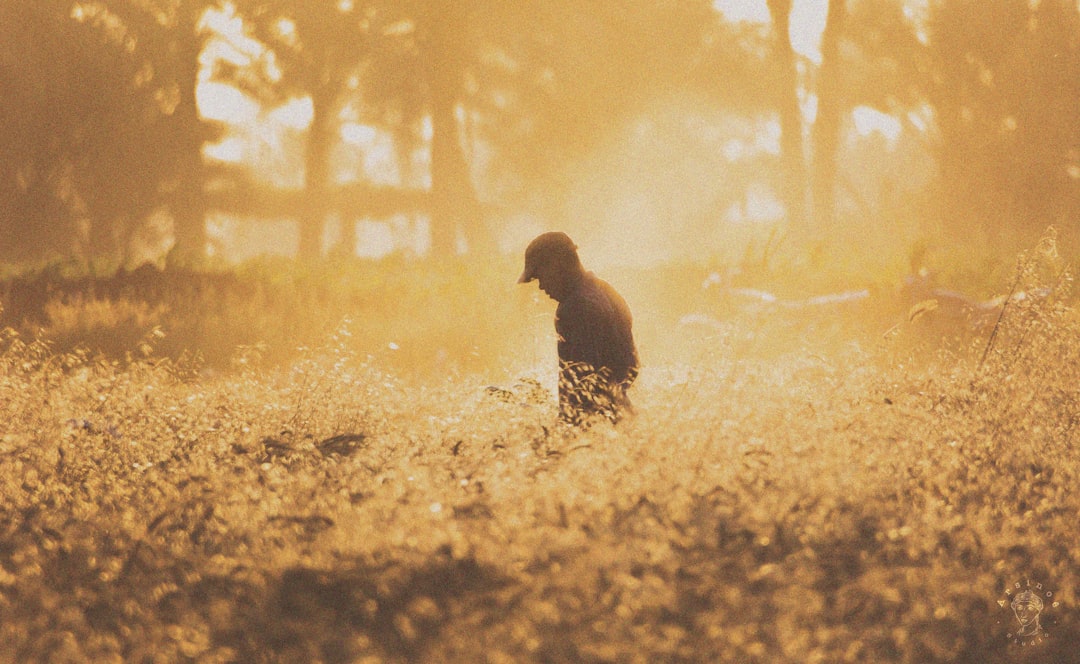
(869, 499)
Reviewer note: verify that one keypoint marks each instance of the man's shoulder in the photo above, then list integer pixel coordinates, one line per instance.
(607, 290)
(592, 296)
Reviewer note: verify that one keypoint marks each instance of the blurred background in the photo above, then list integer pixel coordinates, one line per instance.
(864, 136)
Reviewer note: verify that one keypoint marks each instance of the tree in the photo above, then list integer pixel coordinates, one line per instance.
(37, 216)
(870, 56)
(318, 50)
(792, 152)
(419, 73)
(444, 47)
(536, 83)
(402, 63)
(184, 40)
(169, 38)
(557, 80)
(100, 124)
(1006, 95)
(91, 138)
(825, 139)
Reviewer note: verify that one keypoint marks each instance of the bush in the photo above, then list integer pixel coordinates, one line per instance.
(823, 504)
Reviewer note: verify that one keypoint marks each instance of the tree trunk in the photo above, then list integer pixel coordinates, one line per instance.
(792, 158)
(317, 176)
(447, 161)
(454, 207)
(189, 204)
(826, 131)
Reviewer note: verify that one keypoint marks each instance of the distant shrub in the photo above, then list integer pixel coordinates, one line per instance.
(414, 315)
(113, 327)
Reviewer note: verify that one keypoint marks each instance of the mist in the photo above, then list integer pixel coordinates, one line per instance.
(270, 390)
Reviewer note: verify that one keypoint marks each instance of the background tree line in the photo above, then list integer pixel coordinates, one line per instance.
(100, 130)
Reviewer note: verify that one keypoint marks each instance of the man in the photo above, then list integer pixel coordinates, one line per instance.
(597, 357)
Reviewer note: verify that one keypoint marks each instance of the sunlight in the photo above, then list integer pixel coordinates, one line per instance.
(358, 134)
(808, 103)
(807, 21)
(294, 114)
(767, 138)
(220, 102)
(229, 43)
(291, 400)
(224, 21)
(374, 239)
(750, 11)
(286, 28)
(735, 149)
(760, 205)
(232, 150)
(917, 11)
(869, 120)
(807, 24)
(378, 163)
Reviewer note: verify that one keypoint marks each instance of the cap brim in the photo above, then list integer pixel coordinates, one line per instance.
(525, 277)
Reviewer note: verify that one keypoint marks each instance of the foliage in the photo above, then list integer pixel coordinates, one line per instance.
(505, 110)
(807, 502)
(93, 133)
(280, 306)
(1006, 94)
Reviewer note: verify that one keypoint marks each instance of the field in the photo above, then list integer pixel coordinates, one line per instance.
(862, 481)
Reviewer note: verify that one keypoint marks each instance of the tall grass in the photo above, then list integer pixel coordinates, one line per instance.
(819, 501)
(460, 315)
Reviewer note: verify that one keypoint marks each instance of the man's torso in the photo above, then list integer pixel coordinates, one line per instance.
(597, 355)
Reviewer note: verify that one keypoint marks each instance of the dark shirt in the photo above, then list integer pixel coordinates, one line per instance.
(597, 357)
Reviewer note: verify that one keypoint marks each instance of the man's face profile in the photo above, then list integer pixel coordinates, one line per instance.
(550, 280)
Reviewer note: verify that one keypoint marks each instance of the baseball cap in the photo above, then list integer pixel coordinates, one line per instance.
(547, 247)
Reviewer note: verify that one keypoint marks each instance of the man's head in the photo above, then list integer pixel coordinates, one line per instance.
(552, 260)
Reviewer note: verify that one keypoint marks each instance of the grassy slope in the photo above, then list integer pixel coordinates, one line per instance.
(777, 502)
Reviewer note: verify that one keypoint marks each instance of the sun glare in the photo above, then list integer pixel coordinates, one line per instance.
(293, 114)
(807, 21)
(221, 102)
(231, 150)
(751, 11)
(869, 120)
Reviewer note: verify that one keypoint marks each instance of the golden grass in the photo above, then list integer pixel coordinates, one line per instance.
(814, 502)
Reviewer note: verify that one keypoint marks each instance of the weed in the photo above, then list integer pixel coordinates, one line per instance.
(820, 502)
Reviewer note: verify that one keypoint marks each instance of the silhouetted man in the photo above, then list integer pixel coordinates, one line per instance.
(597, 357)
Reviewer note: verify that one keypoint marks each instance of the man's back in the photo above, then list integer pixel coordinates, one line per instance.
(595, 327)
(597, 357)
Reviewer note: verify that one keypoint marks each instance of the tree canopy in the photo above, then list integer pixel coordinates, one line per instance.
(493, 108)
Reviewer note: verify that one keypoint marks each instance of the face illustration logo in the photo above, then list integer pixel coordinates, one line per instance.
(1028, 602)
